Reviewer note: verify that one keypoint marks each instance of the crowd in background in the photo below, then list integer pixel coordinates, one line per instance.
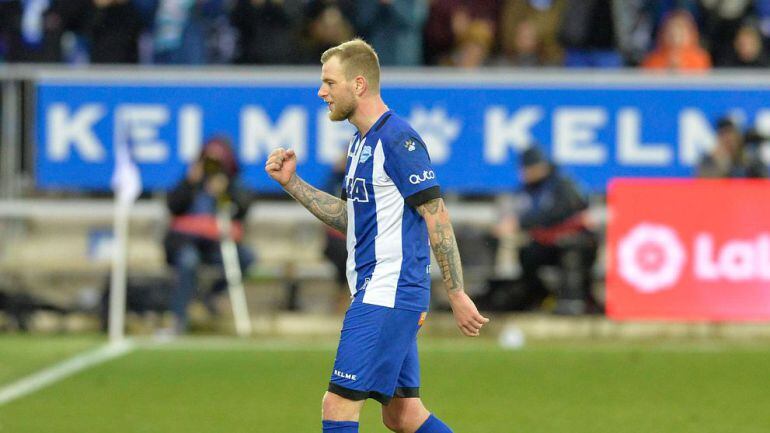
(669, 34)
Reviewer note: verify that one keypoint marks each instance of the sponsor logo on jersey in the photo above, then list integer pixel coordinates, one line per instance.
(409, 145)
(356, 190)
(416, 179)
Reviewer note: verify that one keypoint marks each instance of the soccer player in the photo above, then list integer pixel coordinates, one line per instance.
(392, 211)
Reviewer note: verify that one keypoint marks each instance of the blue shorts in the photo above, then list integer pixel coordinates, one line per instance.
(377, 354)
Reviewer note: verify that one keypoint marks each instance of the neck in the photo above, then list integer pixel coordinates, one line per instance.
(367, 112)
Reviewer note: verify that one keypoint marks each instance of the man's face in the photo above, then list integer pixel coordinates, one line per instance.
(748, 44)
(337, 91)
(729, 138)
(535, 173)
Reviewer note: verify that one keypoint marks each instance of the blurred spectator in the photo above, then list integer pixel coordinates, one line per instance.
(529, 32)
(730, 158)
(113, 32)
(588, 34)
(394, 29)
(336, 250)
(638, 21)
(551, 211)
(748, 50)
(678, 47)
(183, 30)
(762, 14)
(32, 30)
(635, 26)
(448, 20)
(210, 186)
(326, 24)
(474, 45)
(266, 32)
(720, 21)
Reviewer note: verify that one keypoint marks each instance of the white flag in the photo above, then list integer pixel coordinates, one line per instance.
(126, 180)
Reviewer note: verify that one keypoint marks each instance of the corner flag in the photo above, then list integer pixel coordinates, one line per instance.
(126, 180)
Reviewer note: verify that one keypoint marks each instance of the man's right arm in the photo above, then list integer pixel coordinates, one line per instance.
(281, 165)
(327, 208)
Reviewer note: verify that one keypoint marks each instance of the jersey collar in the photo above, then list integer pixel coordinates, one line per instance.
(378, 124)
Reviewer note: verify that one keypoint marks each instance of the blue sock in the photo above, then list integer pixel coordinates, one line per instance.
(434, 425)
(340, 427)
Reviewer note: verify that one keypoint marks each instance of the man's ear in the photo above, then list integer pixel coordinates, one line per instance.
(360, 85)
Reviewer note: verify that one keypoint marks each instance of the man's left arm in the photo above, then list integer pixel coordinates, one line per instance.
(444, 245)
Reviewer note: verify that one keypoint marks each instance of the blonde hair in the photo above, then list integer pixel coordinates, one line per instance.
(357, 58)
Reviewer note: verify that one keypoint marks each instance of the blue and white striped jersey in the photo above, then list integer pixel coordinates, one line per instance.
(388, 174)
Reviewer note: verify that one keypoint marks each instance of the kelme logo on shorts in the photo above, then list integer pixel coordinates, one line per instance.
(344, 375)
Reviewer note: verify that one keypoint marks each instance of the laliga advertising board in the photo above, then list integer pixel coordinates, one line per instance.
(689, 249)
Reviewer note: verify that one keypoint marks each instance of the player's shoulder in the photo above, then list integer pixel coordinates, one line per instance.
(397, 131)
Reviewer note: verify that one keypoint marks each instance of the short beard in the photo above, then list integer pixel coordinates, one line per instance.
(342, 111)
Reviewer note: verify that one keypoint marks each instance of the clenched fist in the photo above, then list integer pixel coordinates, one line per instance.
(281, 165)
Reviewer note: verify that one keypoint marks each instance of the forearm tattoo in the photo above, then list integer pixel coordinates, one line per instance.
(443, 243)
(327, 208)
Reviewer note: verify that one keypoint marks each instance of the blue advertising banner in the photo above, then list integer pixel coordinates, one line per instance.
(473, 131)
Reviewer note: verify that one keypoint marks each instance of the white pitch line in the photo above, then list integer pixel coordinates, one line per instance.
(63, 370)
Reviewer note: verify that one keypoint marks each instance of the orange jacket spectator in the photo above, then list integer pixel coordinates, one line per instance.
(678, 47)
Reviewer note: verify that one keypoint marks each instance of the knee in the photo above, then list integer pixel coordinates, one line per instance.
(246, 257)
(404, 415)
(395, 422)
(188, 259)
(336, 408)
(327, 407)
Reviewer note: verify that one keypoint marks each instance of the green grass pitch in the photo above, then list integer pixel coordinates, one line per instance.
(227, 386)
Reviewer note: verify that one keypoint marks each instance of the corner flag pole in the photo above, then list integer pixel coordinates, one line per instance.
(127, 184)
(233, 272)
(118, 274)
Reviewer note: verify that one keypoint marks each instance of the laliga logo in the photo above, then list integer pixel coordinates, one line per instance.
(737, 260)
(651, 257)
(416, 179)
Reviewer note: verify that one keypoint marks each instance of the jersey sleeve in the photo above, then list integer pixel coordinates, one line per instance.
(408, 165)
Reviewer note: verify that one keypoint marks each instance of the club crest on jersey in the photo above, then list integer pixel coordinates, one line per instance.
(409, 145)
(366, 153)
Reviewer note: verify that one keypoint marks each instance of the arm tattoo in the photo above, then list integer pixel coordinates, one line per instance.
(327, 208)
(443, 242)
